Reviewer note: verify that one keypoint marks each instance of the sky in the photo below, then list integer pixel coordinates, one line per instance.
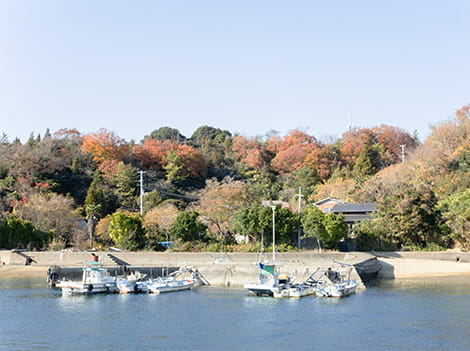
(246, 66)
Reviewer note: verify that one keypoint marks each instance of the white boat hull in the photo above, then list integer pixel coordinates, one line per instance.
(337, 290)
(73, 288)
(298, 291)
(160, 287)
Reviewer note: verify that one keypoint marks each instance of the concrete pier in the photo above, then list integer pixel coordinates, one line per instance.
(236, 269)
(220, 269)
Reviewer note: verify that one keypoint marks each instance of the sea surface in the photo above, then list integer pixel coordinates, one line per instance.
(420, 314)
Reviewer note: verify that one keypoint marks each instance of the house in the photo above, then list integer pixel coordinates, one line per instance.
(353, 213)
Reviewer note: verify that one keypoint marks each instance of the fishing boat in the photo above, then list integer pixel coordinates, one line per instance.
(333, 282)
(165, 285)
(95, 280)
(269, 281)
(131, 283)
(294, 290)
(171, 283)
(340, 289)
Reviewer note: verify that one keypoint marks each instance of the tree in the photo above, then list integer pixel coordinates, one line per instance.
(312, 222)
(173, 166)
(217, 203)
(411, 215)
(249, 152)
(125, 229)
(214, 144)
(336, 230)
(105, 145)
(456, 211)
(100, 200)
(329, 228)
(17, 233)
(368, 161)
(184, 161)
(254, 222)
(167, 133)
(257, 222)
(391, 139)
(292, 151)
(353, 142)
(49, 212)
(125, 181)
(189, 228)
(159, 220)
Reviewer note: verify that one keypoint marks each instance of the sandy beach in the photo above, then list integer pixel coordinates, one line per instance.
(14, 271)
(401, 268)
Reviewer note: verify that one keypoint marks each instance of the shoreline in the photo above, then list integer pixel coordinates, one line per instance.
(392, 268)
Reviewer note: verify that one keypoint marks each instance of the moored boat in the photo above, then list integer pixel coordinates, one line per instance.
(95, 280)
(165, 285)
(333, 282)
(294, 290)
(269, 281)
(131, 283)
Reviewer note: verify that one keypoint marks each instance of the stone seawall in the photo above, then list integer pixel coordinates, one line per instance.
(220, 269)
(235, 269)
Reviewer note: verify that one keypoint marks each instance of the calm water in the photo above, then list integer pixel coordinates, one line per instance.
(408, 315)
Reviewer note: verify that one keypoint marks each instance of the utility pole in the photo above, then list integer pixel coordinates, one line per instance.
(298, 211)
(142, 192)
(403, 153)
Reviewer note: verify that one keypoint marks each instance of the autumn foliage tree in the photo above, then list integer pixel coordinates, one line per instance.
(218, 202)
(181, 161)
(292, 151)
(105, 145)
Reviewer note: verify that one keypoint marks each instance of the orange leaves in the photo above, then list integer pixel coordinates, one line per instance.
(153, 154)
(292, 151)
(249, 151)
(105, 145)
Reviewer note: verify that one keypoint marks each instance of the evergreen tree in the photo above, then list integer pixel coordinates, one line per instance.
(126, 230)
(188, 227)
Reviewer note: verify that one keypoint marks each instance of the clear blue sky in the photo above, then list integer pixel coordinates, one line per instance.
(245, 66)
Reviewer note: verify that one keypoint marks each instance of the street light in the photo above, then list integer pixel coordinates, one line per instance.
(273, 204)
(274, 232)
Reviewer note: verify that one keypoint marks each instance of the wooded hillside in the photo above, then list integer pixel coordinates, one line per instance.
(204, 191)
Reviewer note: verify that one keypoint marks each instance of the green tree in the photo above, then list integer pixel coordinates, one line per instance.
(370, 235)
(126, 230)
(456, 210)
(167, 133)
(17, 233)
(214, 144)
(411, 215)
(368, 161)
(257, 222)
(188, 227)
(125, 181)
(312, 222)
(328, 228)
(336, 230)
(173, 166)
(99, 197)
(254, 222)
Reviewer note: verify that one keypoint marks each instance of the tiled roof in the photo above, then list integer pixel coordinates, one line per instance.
(352, 208)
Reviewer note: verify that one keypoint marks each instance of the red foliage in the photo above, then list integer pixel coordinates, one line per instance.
(153, 155)
(292, 151)
(105, 145)
(249, 152)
